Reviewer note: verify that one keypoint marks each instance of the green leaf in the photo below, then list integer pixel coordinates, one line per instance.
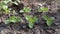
(7, 11)
(46, 17)
(26, 9)
(15, 3)
(31, 20)
(18, 19)
(7, 1)
(43, 9)
(39, 10)
(13, 19)
(18, 1)
(7, 21)
(31, 25)
(35, 19)
(49, 20)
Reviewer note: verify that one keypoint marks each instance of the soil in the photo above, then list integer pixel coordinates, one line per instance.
(40, 27)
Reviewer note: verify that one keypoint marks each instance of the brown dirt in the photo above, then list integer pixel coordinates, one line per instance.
(40, 27)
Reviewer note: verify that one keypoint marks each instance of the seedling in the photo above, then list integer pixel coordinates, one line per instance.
(31, 21)
(43, 9)
(3, 5)
(6, 9)
(26, 10)
(12, 19)
(49, 20)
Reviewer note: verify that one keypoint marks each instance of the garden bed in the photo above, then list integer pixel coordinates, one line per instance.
(30, 17)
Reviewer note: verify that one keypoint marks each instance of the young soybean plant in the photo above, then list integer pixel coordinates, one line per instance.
(6, 9)
(3, 5)
(43, 9)
(12, 19)
(26, 10)
(31, 21)
(49, 20)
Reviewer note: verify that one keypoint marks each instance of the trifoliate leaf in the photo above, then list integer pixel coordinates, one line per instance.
(31, 20)
(26, 9)
(49, 20)
(12, 19)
